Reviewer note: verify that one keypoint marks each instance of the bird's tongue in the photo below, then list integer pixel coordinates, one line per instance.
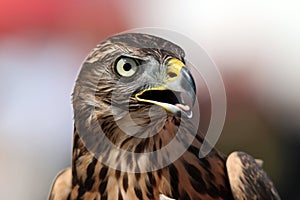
(185, 110)
(182, 107)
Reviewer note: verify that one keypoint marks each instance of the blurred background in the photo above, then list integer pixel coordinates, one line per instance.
(255, 44)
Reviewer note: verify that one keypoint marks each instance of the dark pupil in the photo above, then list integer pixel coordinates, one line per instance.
(127, 67)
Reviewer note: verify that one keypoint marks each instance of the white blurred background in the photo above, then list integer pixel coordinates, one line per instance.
(255, 44)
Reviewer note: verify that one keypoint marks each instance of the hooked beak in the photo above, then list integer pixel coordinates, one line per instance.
(169, 96)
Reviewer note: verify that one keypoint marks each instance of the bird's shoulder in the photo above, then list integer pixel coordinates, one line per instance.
(62, 185)
(247, 178)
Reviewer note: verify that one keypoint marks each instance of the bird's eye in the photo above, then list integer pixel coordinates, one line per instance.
(126, 67)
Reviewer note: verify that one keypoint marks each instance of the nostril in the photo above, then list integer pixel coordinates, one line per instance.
(172, 74)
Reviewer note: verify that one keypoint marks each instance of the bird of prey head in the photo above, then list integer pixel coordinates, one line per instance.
(128, 77)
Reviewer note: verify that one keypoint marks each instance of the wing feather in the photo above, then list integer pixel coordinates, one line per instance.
(247, 178)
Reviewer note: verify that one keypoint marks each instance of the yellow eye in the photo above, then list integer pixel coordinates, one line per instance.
(126, 67)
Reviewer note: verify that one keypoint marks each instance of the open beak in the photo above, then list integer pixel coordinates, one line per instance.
(170, 95)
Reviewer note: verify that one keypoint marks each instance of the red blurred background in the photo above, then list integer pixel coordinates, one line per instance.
(42, 44)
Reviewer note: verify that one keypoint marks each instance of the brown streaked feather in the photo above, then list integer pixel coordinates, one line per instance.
(187, 178)
(247, 178)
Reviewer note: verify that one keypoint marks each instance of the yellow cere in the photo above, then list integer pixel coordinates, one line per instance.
(174, 67)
